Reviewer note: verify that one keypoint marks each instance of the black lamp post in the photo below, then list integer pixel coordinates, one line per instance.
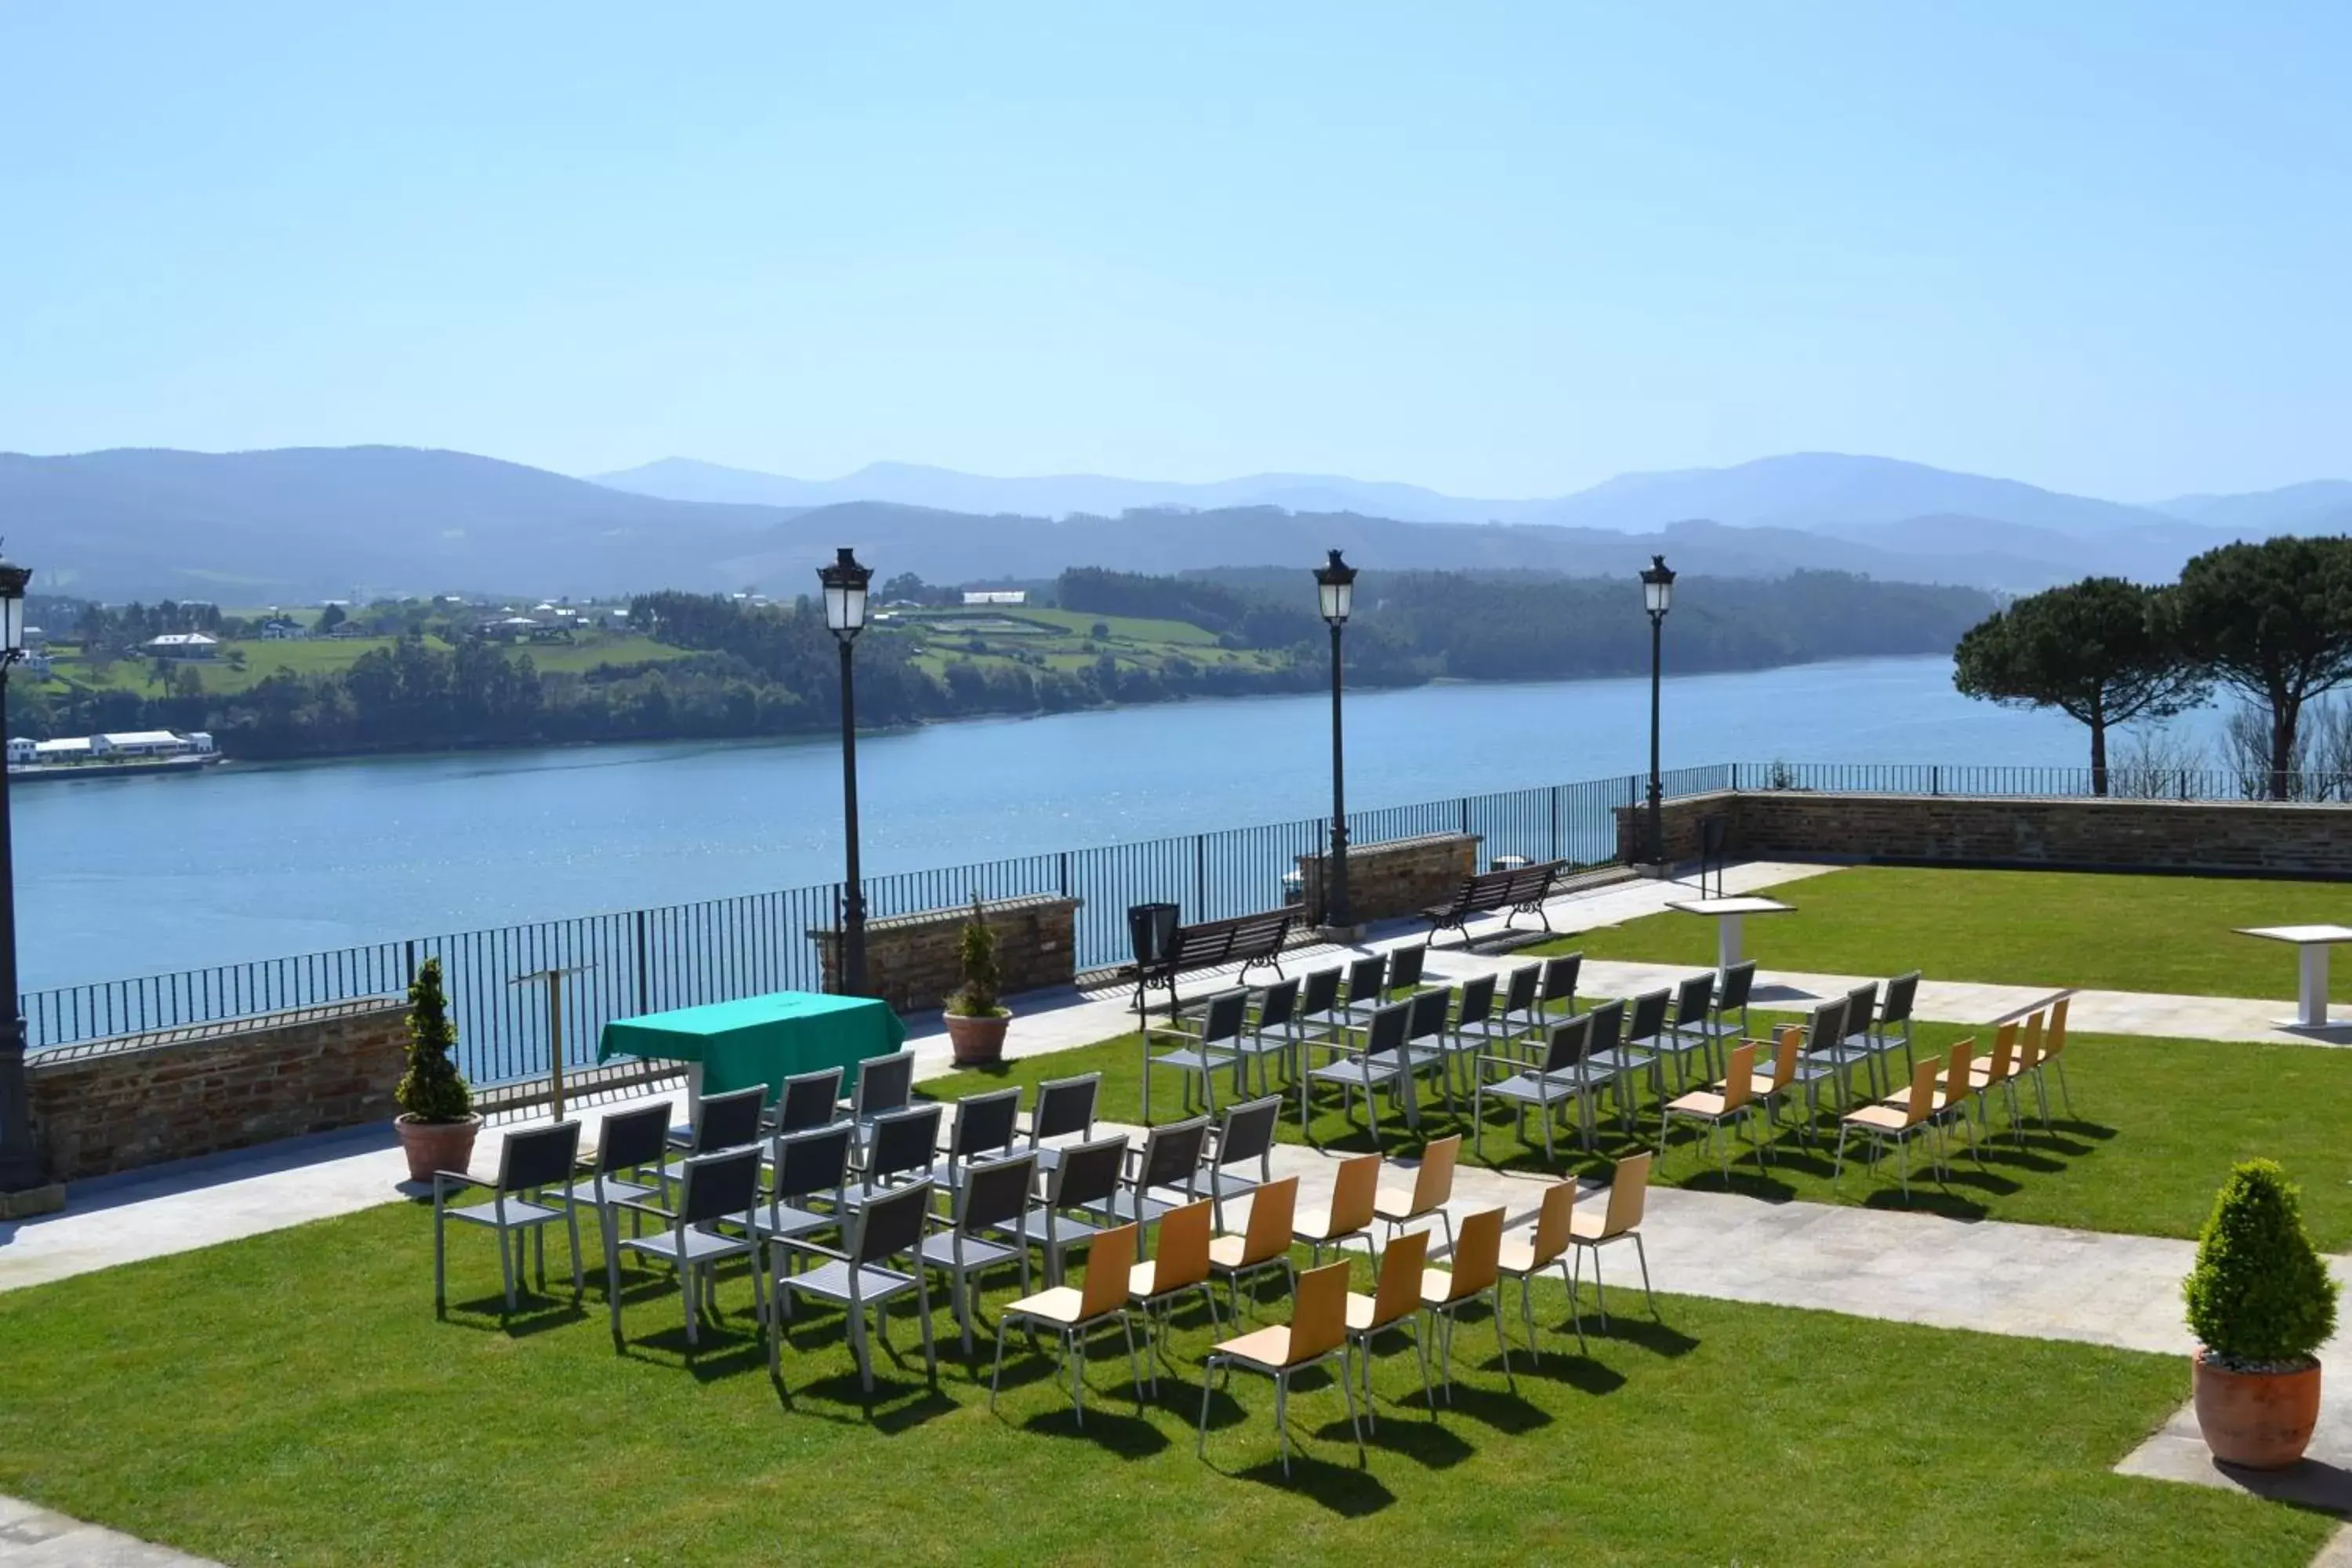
(1657, 597)
(844, 616)
(1335, 587)
(20, 1169)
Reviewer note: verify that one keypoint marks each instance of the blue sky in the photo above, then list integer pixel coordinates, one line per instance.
(1497, 250)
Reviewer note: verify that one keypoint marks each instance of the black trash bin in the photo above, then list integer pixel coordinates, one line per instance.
(1151, 933)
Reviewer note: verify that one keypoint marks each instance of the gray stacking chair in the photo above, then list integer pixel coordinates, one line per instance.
(1273, 1034)
(901, 1146)
(1692, 1028)
(1610, 1062)
(809, 1099)
(1731, 990)
(529, 1165)
(1902, 995)
(1367, 991)
(1200, 1056)
(1467, 1037)
(996, 1194)
(1555, 1081)
(1560, 977)
(1826, 1045)
(729, 1120)
(810, 1166)
(1381, 1064)
(1425, 1038)
(1168, 1161)
(890, 1227)
(1405, 967)
(631, 1146)
(1319, 1008)
(987, 1127)
(1645, 1031)
(1862, 1034)
(1515, 1021)
(1243, 1137)
(715, 1189)
(1064, 1109)
(1079, 1191)
(885, 1084)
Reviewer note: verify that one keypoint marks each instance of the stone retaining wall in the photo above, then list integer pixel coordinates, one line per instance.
(1400, 877)
(2244, 838)
(912, 960)
(136, 1100)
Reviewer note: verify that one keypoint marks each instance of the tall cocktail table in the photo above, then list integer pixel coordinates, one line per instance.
(2311, 993)
(1728, 913)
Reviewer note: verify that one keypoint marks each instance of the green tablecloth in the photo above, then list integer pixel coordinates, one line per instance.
(762, 1039)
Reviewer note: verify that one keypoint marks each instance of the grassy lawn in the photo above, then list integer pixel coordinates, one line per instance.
(2158, 1125)
(579, 658)
(292, 1398)
(2173, 934)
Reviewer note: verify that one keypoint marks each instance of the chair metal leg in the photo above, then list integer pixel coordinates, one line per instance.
(996, 1377)
(1201, 1443)
(1127, 1324)
(1282, 1419)
(1575, 1313)
(1642, 1256)
(440, 1264)
(507, 1267)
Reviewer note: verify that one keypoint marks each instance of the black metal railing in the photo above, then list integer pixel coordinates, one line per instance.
(648, 960)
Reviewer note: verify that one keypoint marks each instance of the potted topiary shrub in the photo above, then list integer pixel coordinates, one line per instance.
(976, 1022)
(436, 1119)
(2261, 1302)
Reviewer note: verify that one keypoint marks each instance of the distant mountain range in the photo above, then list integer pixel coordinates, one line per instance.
(293, 525)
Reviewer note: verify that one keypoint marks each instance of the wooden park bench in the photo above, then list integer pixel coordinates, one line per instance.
(1520, 890)
(1250, 939)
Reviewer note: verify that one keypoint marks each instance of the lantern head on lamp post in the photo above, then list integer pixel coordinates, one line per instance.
(1335, 589)
(20, 1169)
(1657, 598)
(844, 585)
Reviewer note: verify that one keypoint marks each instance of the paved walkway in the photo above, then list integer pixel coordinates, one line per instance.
(1989, 1276)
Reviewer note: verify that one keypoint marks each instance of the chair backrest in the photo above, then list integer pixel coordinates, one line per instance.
(1064, 1105)
(1110, 1268)
(543, 1157)
(1739, 1077)
(1629, 1185)
(815, 1159)
(884, 1083)
(1553, 1217)
(1433, 1182)
(1569, 1039)
(1386, 1035)
(1860, 1003)
(1318, 1312)
(1922, 1098)
(729, 1120)
(1273, 1208)
(1738, 982)
(997, 1192)
(1365, 978)
(633, 1138)
(1608, 1023)
(1228, 1011)
(893, 1223)
(2056, 1039)
(1792, 1039)
(1559, 975)
(1354, 1192)
(1695, 998)
(904, 1140)
(1398, 1293)
(1405, 964)
(1183, 1256)
(1956, 1071)
(1321, 993)
(1281, 1004)
(1828, 1026)
(719, 1186)
(1649, 1015)
(1087, 1175)
(1519, 995)
(1477, 1001)
(2029, 1045)
(1172, 1153)
(808, 1101)
(1427, 1019)
(1247, 1130)
(1901, 993)
(2004, 1052)
(1477, 1253)
(986, 1124)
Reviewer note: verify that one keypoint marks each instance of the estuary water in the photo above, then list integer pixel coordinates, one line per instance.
(126, 876)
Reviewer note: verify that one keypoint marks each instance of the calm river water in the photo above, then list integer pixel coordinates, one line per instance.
(128, 877)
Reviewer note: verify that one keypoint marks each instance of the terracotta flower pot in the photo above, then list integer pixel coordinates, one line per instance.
(978, 1041)
(436, 1145)
(2262, 1420)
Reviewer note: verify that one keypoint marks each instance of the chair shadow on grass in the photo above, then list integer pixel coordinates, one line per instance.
(1243, 1443)
(536, 1312)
